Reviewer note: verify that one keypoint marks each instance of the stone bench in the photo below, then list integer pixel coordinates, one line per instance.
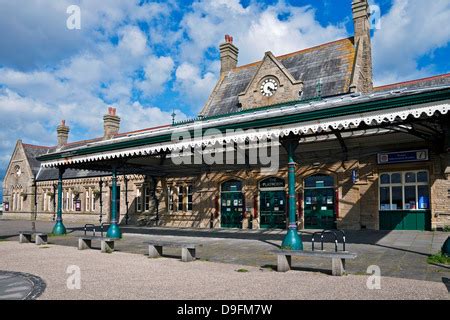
(107, 244)
(155, 249)
(26, 237)
(337, 259)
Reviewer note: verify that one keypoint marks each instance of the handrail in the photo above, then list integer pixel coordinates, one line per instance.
(101, 227)
(333, 232)
(90, 225)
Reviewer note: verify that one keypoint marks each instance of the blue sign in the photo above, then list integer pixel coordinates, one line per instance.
(355, 176)
(405, 156)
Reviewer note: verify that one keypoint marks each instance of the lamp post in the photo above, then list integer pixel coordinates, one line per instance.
(114, 230)
(292, 240)
(59, 228)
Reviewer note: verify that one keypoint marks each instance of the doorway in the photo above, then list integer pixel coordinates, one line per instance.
(319, 200)
(232, 204)
(272, 204)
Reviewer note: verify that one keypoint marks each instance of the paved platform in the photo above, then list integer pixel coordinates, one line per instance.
(400, 254)
(129, 276)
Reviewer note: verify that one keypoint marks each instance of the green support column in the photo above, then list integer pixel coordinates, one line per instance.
(292, 240)
(114, 230)
(59, 228)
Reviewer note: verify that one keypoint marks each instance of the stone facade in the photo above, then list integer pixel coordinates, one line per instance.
(190, 200)
(288, 88)
(146, 201)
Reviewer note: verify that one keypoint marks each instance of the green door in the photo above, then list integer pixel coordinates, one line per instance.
(319, 203)
(272, 209)
(232, 204)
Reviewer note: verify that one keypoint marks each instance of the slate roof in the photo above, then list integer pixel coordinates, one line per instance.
(331, 63)
(440, 80)
(44, 174)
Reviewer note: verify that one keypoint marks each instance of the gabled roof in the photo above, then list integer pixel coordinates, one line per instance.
(331, 63)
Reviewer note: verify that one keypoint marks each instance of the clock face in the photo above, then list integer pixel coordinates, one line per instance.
(268, 87)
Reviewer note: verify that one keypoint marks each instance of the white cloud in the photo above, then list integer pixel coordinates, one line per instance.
(409, 31)
(280, 28)
(193, 84)
(133, 41)
(158, 71)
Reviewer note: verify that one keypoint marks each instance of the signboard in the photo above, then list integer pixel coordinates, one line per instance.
(77, 205)
(6, 206)
(404, 156)
(272, 183)
(355, 176)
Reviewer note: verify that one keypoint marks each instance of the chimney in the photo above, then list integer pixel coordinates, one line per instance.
(362, 78)
(111, 124)
(63, 133)
(228, 55)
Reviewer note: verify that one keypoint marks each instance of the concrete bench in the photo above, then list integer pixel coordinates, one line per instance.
(337, 259)
(107, 244)
(155, 249)
(26, 237)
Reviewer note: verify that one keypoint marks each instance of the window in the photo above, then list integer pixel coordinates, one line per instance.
(88, 202)
(92, 200)
(189, 197)
(180, 198)
(138, 200)
(44, 201)
(170, 195)
(147, 194)
(404, 191)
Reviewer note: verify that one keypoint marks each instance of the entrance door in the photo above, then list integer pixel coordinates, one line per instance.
(272, 204)
(232, 204)
(319, 202)
(273, 209)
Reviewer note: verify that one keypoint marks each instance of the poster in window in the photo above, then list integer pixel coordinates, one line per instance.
(224, 203)
(235, 202)
(228, 203)
(329, 200)
(308, 200)
(6, 206)
(77, 205)
(240, 202)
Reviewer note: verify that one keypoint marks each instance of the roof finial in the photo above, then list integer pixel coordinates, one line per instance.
(173, 116)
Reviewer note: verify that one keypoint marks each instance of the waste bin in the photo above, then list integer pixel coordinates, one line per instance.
(446, 247)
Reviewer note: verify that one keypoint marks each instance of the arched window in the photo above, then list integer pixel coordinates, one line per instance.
(319, 181)
(231, 186)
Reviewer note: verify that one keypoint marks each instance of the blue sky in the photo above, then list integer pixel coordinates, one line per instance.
(148, 58)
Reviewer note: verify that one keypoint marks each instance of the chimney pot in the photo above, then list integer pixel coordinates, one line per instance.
(111, 124)
(62, 133)
(228, 55)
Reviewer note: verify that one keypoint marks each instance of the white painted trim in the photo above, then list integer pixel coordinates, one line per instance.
(337, 123)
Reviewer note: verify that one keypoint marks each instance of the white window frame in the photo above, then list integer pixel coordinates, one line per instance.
(87, 200)
(189, 192)
(147, 198)
(180, 197)
(139, 199)
(170, 202)
(403, 184)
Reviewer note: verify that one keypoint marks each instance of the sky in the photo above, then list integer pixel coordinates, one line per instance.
(148, 58)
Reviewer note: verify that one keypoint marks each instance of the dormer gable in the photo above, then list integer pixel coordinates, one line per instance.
(272, 83)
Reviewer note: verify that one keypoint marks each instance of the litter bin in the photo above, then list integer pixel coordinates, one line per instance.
(446, 247)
